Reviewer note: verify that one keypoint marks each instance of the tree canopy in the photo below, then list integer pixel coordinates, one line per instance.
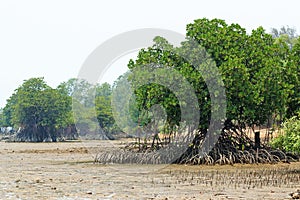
(39, 110)
(258, 73)
(257, 77)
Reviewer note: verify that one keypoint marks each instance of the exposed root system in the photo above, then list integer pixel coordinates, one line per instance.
(232, 147)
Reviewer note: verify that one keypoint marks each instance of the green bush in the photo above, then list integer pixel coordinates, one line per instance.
(290, 139)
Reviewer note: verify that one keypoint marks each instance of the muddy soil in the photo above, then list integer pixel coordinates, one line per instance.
(66, 171)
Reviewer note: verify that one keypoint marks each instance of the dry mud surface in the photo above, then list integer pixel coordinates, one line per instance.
(66, 171)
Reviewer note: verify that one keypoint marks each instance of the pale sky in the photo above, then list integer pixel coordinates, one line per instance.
(52, 39)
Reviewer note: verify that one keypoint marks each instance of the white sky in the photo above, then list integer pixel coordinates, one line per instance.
(53, 38)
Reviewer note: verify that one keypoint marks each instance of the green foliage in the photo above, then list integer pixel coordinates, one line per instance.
(290, 139)
(81, 90)
(293, 77)
(8, 110)
(38, 104)
(260, 72)
(251, 66)
(2, 118)
(82, 94)
(104, 109)
(91, 106)
(285, 34)
(255, 69)
(104, 113)
(167, 67)
(40, 110)
(287, 49)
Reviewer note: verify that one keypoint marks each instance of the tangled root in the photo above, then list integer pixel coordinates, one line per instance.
(231, 148)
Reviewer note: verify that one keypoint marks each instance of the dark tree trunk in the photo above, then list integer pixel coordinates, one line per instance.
(35, 133)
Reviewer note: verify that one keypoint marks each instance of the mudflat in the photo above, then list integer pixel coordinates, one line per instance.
(67, 171)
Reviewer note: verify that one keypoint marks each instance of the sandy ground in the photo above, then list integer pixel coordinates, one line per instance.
(66, 171)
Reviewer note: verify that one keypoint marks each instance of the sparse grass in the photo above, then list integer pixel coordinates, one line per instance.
(235, 177)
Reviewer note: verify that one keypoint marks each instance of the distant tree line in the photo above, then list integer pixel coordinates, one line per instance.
(40, 113)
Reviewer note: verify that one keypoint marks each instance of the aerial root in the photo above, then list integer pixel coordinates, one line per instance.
(231, 148)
